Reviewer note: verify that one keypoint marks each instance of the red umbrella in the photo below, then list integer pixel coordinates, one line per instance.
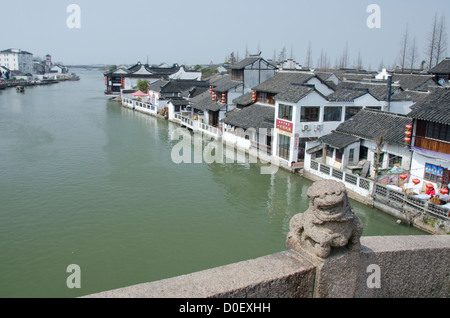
(139, 94)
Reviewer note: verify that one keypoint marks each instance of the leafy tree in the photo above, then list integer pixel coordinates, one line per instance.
(142, 85)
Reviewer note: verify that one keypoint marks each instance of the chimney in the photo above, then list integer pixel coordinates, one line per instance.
(388, 93)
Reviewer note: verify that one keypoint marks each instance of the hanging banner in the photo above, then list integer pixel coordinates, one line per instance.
(284, 126)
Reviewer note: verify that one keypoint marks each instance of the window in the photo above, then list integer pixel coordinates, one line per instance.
(332, 114)
(438, 131)
(338, 156)
(330, 151)
(237, 75)
(351, 155)
(394, 160)
(351, 111)
(284, 144)
(309, 114)
(363, 152)
(433, 173)
(262, 97)
(285, 112)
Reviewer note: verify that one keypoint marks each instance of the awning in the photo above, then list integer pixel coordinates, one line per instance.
(445, 158)
(314, 149)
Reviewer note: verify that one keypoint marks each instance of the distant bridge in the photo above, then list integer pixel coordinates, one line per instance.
(89, 67)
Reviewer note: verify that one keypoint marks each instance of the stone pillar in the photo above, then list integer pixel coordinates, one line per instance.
(328, 235)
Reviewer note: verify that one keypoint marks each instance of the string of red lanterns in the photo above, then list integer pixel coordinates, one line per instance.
(408, 134)
(253, 96)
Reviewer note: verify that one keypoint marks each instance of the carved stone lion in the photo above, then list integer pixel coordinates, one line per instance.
(328, 222)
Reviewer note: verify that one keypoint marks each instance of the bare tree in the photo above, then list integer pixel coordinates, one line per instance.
(323, 62)
(432, 43)
(308, 61)
(359, 64)
(344, 58)
(380, 141)
(404, 48)
(412, 56)
(441, 40)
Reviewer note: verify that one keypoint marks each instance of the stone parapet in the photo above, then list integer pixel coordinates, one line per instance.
(326, 257)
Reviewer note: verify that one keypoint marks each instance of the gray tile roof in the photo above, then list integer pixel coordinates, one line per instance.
(156, 86)
(435, 108)
(281, 80)
(294, 93)
(225, 84)
(442, 68)
(412, 95)
(244, 100)
(413, 81)
(338, 140)
(370, 124)
(204, 102)
(376, 88)
(179, 101)
(254, 116)
(347, 94)
(181, 85)
(245, 62)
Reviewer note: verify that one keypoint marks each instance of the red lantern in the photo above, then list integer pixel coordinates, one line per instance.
(408, 133)
(409, 127)
(223, 98)
(407, 139)
(403, 176)
(444, 191)
(213, 97)
(429, 186)
(416, 181)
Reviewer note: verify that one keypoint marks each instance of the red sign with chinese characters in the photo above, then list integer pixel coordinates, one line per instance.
(284, 126)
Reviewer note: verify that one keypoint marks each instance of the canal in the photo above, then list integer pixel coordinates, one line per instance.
(85, 181)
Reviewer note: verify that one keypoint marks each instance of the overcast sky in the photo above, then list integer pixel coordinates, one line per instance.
(201, 31)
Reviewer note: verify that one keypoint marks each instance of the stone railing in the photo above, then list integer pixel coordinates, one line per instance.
(326, 257)
(353, 182)
(409, 203)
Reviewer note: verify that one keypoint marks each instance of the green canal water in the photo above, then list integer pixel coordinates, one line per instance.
(85, 181)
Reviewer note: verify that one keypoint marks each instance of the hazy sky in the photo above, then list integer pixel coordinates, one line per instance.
(200, 31)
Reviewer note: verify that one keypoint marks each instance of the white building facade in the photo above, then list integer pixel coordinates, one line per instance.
(17, 60)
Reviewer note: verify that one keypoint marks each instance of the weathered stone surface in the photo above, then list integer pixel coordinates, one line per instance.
(281, 275)
(410, 266)
(329, 222)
